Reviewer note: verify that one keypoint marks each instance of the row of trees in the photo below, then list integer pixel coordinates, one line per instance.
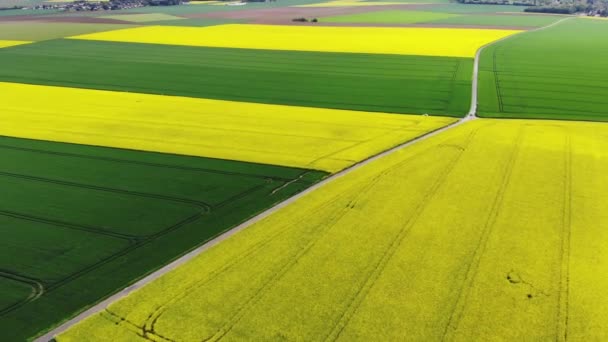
(570, 7)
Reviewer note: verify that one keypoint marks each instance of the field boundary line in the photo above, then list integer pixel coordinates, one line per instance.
(102, 305)
(36, 285)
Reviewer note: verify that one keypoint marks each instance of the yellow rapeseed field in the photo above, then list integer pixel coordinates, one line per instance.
(316, 138)
(8, 43)
(495, 230)
(388, 40)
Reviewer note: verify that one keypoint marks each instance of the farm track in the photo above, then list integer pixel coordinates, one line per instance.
(473, 264)
(378, 267)
(154, 317)
(68, 225)
(135, 241)
(39, 287)
(202, 205)
(101, 306)
(564, 274)
(527, 87)
(149, 325)
(149, 329)
(36, 285)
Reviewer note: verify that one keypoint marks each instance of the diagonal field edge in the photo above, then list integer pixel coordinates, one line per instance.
(193, 253)
(211, 243)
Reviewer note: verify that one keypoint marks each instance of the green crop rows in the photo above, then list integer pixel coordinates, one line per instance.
(80, 222)
(557, 73)
(383, 83)
(523, 20)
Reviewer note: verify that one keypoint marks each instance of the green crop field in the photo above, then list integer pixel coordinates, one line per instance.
(473, 8)
(81, 222)
(400, 17)
(371, 82)
(414, 17)
(35, 31)
(499, 20)
(556, 73)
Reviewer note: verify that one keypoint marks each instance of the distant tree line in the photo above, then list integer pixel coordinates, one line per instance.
(590, 8)
(553, 9)
(81, 5)
(499, 2)
(162, 2)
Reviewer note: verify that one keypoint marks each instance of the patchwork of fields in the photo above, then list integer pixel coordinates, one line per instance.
(132, 137)
(508, 246)
(557, 73)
